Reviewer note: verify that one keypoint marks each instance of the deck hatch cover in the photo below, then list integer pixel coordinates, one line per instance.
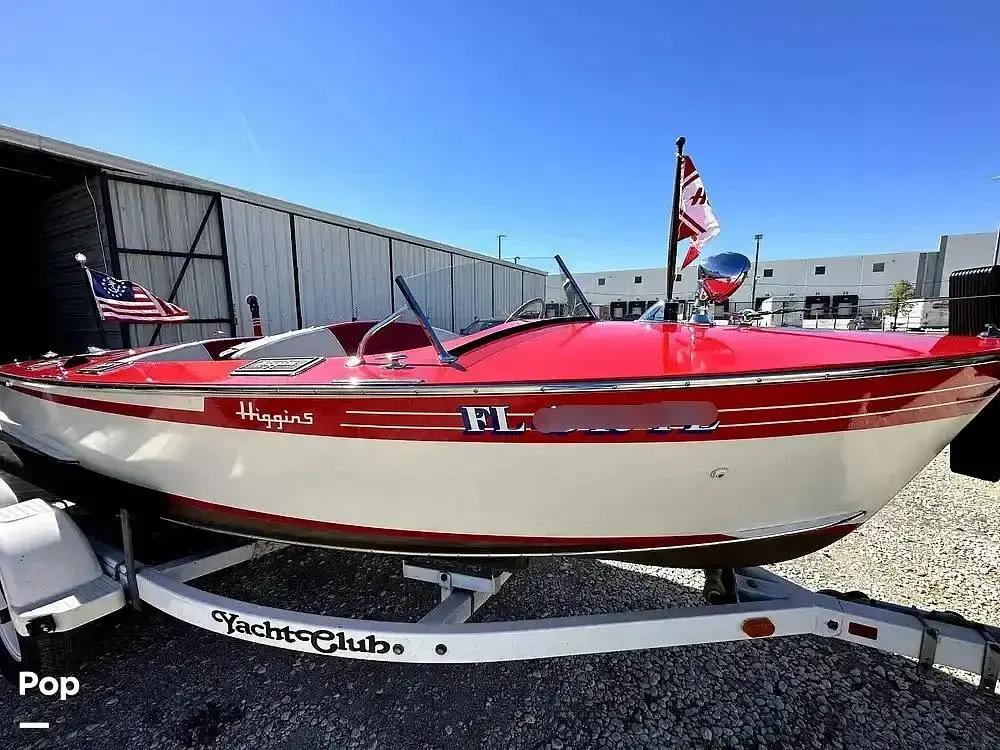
(101, 368)
(278, 366)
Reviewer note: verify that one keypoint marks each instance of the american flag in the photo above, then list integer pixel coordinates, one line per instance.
(126, 300)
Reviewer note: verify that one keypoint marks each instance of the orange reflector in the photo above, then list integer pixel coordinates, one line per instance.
(862, 631)
(758, 627)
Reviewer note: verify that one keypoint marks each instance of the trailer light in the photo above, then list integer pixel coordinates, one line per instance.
(758, 627)
(863, 631)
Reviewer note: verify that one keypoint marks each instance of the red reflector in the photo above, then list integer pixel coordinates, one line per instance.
(862, 631)
(758, 627)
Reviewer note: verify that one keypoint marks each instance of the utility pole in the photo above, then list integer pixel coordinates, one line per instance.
(500, 245)
(756, 259)
(996, 247)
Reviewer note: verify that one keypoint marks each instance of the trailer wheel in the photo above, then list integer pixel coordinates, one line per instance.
(32, 464)
(45, 654)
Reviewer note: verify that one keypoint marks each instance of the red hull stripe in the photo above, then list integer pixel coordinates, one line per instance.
(744, 413)
(610, 543)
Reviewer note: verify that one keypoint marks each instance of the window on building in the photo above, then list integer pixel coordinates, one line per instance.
(601, 281)
(637, 280)
(878, 267)
(768, 273)
(678, 277)
(820, 270)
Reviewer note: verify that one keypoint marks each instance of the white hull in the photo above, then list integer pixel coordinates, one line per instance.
(771, 485)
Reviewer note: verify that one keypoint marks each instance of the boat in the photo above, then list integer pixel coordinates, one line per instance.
(673, 443)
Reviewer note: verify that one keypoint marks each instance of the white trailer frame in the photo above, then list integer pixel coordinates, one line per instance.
(763, 605)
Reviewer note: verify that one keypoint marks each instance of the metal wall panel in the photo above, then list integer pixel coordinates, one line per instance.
(167, 219)
(961, 251)
(371, 282)
(506, 290)
(428, 273)
(260, 262)
(161, 218)
(534, 285)
(202, 293)
(473, 289)
(66, 224)
(324, 261)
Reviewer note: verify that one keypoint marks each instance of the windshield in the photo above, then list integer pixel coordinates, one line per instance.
(458, 295)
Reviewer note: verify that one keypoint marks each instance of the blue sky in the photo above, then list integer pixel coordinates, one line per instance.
(837, 129)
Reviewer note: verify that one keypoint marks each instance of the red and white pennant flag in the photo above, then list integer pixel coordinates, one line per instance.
(696, 220)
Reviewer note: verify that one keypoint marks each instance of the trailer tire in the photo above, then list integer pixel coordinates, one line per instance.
(45, 654)
(31, 464)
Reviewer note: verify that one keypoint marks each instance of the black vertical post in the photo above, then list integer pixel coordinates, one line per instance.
(233, 317)
(756, 260)
(295, 271)
(392, 285)
(82, 260)
(116, 265)
(674, 216)
(131, 584)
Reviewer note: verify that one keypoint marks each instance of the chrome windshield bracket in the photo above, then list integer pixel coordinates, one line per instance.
(525, 306)
(359, 356)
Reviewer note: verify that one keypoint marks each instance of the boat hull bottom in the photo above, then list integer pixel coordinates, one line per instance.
(724, 554)
(102, 493)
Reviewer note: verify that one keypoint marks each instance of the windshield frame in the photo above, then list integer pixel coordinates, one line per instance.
(445, 357)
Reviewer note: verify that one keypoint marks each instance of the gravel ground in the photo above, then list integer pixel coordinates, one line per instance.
(163, 684)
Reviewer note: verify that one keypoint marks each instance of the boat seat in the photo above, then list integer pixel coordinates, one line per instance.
(193, 351)
(318, 341)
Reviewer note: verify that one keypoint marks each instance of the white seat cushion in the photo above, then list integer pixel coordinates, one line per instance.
(192, 352)
(308, 342)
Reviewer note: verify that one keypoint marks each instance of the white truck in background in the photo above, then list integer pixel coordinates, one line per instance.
(773, 315)
(922, 315)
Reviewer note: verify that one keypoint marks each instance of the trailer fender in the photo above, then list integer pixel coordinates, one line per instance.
(48, 569)
(7, 496)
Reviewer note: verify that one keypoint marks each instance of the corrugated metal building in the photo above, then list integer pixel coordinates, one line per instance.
(862, 276)
(206, 246)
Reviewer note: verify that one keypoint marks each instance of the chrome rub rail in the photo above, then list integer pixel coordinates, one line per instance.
(412, 387)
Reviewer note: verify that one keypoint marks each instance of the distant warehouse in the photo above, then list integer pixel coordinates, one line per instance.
(207, 246)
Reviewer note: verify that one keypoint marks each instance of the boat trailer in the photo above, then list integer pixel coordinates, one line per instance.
(55, 579)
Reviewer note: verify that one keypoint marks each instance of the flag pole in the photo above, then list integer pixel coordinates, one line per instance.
(674, 216)
(82, 260)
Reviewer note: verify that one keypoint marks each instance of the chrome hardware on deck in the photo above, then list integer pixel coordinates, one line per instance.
(719, 276)
(525, 306)
(359, 357)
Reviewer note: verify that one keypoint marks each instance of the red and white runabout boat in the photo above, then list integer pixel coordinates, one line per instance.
(684, 444)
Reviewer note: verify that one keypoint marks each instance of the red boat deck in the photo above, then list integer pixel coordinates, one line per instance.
(563, 351)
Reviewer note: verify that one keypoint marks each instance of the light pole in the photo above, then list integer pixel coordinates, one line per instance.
(500, 245)
(756, 259)
(996, 247)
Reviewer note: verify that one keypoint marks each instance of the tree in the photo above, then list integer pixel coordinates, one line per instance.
(899, 299)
